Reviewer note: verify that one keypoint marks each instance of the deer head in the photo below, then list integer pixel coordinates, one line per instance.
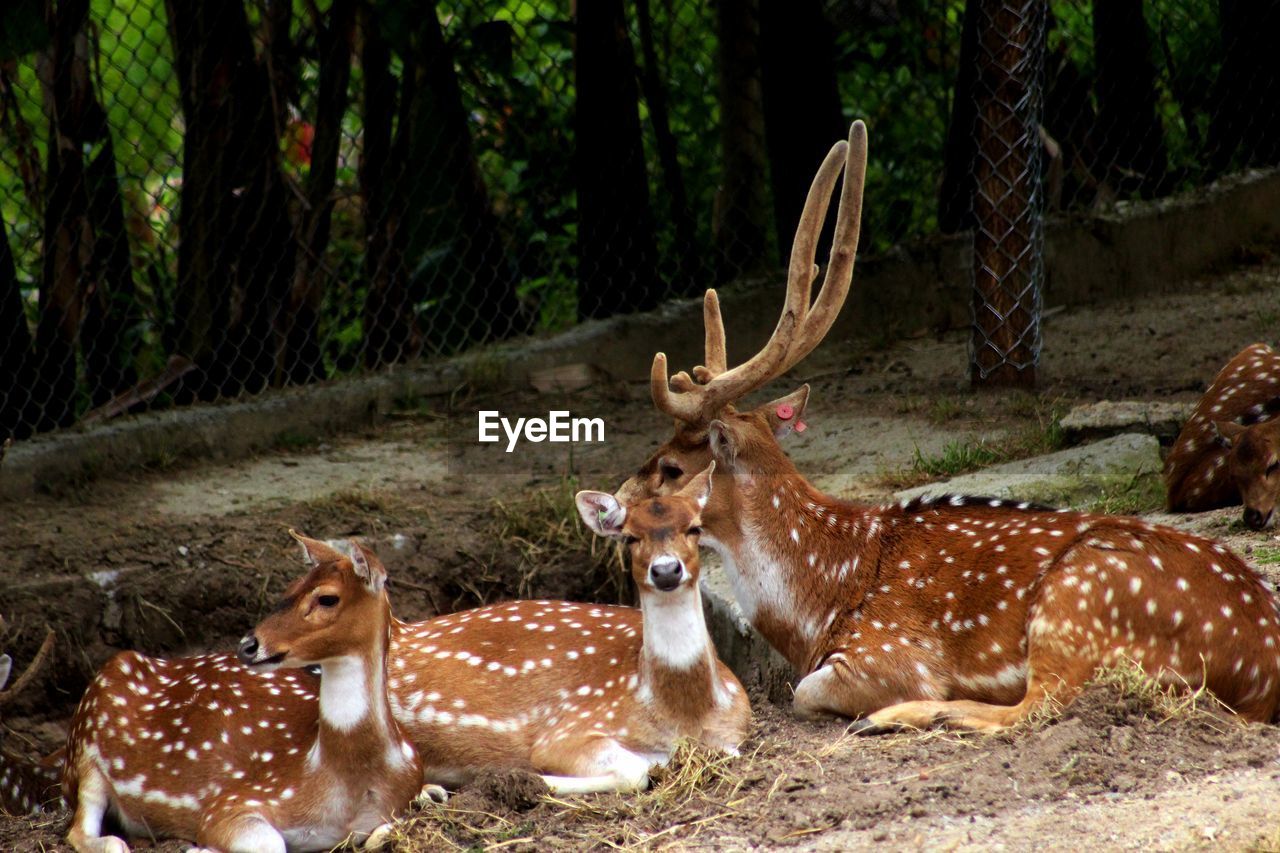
(322, 614)
(1253, 463)
(708, 425)
(661, 534)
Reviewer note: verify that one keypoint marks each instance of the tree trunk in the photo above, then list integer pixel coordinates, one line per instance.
(1244, 130)
(688, 261)
(742, 217)
(111, 318)
(617, 255)
(68, 231)
(303, 358)
(236, 254)
(453, 243)
(1007, 235)
(802, 113)
(15, 347)
(1129, 136)
(955, 196)
(388, 310)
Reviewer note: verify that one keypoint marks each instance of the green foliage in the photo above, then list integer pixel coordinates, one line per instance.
(957, 457)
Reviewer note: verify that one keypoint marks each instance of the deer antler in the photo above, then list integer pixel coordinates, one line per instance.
(29, 674)
(803, 324)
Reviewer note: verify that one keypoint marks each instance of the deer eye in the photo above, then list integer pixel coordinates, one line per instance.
(630, 540)
(671, 471)
(327, 600)
(694, 531)
(1273, 467)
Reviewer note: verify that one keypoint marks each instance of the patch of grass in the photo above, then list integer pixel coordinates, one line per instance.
(944, 410)
(1166, 700)
(1133, 494)
(695, 774)
(294, 440)
(1265, 555)
(957, 457)
(546, 528)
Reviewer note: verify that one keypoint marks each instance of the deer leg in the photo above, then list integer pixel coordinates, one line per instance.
(93, 798)
(241, 833)
(842, 690)
(592, 765)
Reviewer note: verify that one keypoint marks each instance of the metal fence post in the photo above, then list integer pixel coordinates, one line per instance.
(1008, 234)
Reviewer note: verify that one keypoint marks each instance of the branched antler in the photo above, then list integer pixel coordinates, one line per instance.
(803, 324)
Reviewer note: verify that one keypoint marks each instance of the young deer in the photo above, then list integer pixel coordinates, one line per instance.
(1228, 451)
(589, 695)
(967, 612)
(238, 756)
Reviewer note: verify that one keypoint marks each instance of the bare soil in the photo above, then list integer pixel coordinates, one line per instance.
(187, 557)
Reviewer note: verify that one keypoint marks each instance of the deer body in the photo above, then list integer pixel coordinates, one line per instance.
(991, 602)
(966, 612)
(589, 695)
(1228, 451)
(207, 748)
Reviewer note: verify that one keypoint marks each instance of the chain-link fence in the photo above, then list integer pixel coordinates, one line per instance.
(200, 200)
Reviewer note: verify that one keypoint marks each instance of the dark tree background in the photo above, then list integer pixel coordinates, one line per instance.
(200, 200)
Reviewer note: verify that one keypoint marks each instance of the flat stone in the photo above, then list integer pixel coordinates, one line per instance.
(1093, 421)
(1048, 478)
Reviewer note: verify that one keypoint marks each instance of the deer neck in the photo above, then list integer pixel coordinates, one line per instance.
(677, 660)
(355, 721)
(795, 557)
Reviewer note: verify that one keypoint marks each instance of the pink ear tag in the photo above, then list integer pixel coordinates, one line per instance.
(801, 426)
(785, 412)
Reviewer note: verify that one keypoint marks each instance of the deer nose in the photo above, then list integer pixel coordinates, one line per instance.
(666, 572)
(248, 649)
(1254, 519)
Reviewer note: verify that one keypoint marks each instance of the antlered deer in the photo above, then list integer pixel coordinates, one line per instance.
(1228, 451)
(590, 695)
(966, 612)
(238, 756)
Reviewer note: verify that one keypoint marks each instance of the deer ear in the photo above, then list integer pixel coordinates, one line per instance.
(785, 414)
(1227, 433)
(368, 567)
(601, 512)
(724, 445)
(698, 489)
(316, 552)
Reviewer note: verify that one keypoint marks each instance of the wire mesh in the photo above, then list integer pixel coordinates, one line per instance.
(1008, 220)
(202, 200)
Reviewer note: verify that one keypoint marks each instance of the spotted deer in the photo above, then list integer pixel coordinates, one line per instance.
(961, 611)
(238, 754)
(1228, 451)
(590, 696)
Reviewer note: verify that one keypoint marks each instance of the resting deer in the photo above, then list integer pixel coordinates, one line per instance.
(238, 755)
(591, 696)
(966, 612)
(1228, 451)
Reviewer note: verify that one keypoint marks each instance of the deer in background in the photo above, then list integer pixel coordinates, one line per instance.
(238, 755)
(963, 612)
(590, 696)
(1228, 451)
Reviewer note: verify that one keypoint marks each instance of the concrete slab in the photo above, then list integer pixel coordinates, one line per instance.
(1094, 421)
(1055, 476)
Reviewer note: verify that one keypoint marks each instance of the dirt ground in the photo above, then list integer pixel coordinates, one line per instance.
(186, 556)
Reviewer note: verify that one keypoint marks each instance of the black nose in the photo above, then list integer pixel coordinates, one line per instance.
(1253, 519)
(248, 649)
(666, 575)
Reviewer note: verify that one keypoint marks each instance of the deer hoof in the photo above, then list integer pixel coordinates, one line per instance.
(431, 795)
(379, 838)
(867, 728)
